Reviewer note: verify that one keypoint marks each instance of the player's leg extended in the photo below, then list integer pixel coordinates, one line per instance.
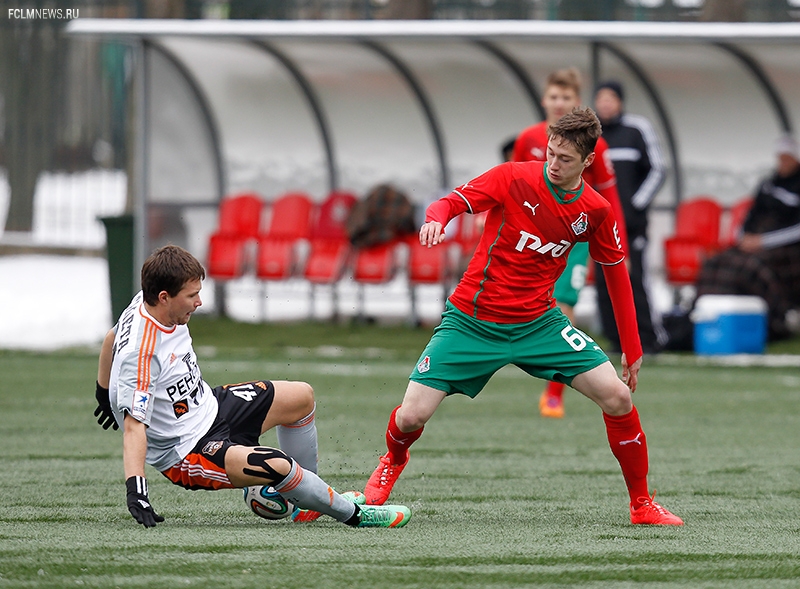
(293, 415)
(405, 426)
(260, 465)
(461, 356)
(626, 438)
(269, 466)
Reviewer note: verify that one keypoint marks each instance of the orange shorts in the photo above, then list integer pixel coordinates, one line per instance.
(204, 469)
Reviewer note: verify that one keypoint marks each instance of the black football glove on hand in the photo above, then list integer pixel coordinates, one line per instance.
(103, 413)
(139, 504)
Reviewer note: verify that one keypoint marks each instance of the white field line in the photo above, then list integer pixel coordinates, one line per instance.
(268, 368)
(272, 369)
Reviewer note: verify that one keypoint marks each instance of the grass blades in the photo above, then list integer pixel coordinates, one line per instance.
(501, 497)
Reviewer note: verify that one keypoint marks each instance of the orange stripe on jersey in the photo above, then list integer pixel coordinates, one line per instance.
(146, 351)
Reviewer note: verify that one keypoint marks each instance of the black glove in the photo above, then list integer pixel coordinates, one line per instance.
(103, 413)
(139, 504)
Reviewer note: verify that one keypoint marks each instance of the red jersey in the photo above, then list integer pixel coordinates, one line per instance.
(531, 145)
(530, 227)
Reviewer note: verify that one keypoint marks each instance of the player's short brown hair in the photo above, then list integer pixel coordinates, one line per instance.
(580, 127)
(566, 78)
(169, 268)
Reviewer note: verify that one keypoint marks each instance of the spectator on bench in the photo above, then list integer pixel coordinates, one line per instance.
(765, 261)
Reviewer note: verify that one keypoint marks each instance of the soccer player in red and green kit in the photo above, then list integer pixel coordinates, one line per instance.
(503, 312)
(562, 93)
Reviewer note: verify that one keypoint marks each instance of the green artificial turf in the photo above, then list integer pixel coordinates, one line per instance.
(500, 496)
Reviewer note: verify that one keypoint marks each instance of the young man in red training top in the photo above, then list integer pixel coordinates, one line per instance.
(502, 311)
(562, 93)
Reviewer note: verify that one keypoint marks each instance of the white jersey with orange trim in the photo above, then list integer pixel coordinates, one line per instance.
(155, 379)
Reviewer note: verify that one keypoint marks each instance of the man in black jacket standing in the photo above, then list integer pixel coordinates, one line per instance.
(639, 166)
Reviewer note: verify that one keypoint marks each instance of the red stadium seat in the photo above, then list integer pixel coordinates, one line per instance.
(375, 264)
(330, 246)
(226, 257)
(290, 222)
(429, 265)
(239, 218)
(697, 224)
(240, 215)
(330, 249)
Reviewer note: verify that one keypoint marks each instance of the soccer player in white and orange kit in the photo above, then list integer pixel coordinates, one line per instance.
(502, 311)
(196, 436)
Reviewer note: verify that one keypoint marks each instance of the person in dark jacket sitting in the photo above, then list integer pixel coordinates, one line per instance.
(765, 261)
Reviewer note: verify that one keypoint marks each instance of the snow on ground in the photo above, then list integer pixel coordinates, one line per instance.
(50, 302)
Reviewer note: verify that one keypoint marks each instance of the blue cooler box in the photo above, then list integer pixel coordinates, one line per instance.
(729, 324)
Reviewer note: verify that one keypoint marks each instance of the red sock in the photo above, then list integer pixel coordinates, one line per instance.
(555, 389)
(629, 447)
(398, 442)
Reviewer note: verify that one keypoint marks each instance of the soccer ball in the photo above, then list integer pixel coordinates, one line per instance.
(266, 502)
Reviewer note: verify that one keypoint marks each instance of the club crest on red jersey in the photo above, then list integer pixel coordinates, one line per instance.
(581, 224)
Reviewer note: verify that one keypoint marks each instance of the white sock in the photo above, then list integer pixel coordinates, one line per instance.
(307, 491)
(299, 440)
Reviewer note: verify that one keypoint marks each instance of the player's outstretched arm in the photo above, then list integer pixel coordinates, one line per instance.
(134, 450)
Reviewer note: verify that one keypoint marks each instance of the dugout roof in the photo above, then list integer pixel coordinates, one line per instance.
(273, 106)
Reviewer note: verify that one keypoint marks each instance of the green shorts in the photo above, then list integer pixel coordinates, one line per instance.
(571, 281)
(464, 352)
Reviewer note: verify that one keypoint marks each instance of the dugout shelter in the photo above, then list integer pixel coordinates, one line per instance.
(223, 106)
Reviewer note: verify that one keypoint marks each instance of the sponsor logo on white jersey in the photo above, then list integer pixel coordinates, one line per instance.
(534, 243)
